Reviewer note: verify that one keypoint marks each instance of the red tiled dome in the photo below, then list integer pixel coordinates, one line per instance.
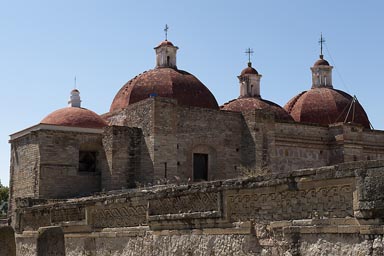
(165, 82)
(321, 62)
(75, 117)
(250, 103)
(325, 106)
(249, 70)
(164, 43)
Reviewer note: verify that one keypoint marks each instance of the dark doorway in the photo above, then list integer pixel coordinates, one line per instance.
(200, 167)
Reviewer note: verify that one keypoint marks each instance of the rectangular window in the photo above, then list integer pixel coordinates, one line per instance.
(200, 167)
(87, 161)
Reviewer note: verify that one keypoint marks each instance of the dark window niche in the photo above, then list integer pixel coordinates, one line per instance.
(200, 167)
(87, 161)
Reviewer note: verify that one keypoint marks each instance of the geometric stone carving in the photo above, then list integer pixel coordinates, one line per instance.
(189, 203)
(334, 201)
(118, 215)
(67, 214)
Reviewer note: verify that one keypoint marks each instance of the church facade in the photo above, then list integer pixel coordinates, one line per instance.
(165, 127)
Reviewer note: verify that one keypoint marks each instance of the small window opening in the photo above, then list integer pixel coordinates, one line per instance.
(200, 167)
(165, 170)
(87, 161)
(168, 60)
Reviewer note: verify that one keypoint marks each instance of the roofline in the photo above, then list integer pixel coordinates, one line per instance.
(53, 127)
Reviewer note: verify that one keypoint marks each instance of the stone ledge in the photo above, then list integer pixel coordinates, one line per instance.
(182, 216)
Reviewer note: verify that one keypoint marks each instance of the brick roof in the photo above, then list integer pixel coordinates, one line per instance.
(251, 103)
(325, 106)
(75, 117)
(165, 82)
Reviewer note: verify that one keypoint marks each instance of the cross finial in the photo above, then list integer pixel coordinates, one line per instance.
(75, 83)
(166, 32)
(249, 51)
(321, 41)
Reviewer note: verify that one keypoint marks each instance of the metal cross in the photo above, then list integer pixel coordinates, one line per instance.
(166, 32)
(249, 51)
(321, 41)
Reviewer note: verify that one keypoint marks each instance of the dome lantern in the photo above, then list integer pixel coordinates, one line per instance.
(166, 53)
(249, 79)
(321, 70)
(323, 104)
(74, 99)
(75, 116)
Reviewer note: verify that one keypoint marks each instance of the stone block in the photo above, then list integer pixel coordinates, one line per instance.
(50, 241)
(7, 241)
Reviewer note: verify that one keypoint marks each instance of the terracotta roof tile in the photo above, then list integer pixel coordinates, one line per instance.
(251, 103)
(325, 106)
(75, 117)
(165, 82)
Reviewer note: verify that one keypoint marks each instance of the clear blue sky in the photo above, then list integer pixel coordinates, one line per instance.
(44, 44)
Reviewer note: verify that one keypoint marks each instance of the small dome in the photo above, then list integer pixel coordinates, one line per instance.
(321, 62)
(249, 70)
(165, 82)
(326, 106)
(165, 43)
(75, 117)
(252, 103)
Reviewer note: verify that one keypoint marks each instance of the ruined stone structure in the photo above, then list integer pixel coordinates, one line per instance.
(162, 173)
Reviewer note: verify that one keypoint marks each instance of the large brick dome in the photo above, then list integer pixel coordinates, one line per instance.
(326, 106)
(251, 103)
(165, 82)
(75, 117)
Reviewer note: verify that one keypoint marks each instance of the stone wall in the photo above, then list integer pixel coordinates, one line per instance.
(45, 164)
(237, 141)
(139, 115)
(122, 146)
(241, 241)
(172, 133)
(24, 169)
(308, 212)
(59, 164)
(216, 133)
(7, 241)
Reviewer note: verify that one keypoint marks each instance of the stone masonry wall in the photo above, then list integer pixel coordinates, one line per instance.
(173, 133)
(298, 146)
(59, 163)
(122, 146)
(139, 115)
(308, 212)
(197, 130)
(24, 169)
(237, 141)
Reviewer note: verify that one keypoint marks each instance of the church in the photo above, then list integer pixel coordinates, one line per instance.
(164, 126)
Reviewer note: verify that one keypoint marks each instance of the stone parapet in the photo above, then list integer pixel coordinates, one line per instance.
(345, 191)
